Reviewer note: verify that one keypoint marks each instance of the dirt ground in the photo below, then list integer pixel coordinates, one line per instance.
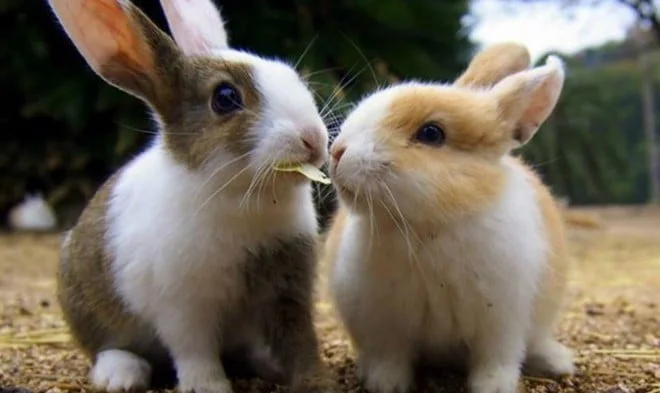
(613, 322)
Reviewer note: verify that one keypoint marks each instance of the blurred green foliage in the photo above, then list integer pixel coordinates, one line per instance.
(64, 130)
(592, 149)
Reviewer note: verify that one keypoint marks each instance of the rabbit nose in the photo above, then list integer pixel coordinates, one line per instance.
(312, 141)
(337, 152)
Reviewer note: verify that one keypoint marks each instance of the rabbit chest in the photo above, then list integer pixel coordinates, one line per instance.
(169, 250)
(442, 289)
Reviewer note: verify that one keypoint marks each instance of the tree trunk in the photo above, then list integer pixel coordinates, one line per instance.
(648, 106)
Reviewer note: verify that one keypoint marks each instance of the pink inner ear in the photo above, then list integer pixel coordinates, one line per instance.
(196, 25)
(541, 103)
(103, 33)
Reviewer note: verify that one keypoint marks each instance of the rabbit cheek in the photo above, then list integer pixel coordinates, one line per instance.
(198, 131)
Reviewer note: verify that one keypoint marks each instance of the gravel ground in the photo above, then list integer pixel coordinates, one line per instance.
(613, 321)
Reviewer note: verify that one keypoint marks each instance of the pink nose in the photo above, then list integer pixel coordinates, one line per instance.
(312, 140)
(308, 141)
(337, 152)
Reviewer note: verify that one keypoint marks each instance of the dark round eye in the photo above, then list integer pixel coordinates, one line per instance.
(226, 99)
(430, 134)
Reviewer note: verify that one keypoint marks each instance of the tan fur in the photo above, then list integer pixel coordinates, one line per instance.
(473, 182)
(493, 64)
(467, 174)
(453, 110)
(461, 172)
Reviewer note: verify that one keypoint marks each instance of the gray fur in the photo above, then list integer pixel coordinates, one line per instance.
(274, 316)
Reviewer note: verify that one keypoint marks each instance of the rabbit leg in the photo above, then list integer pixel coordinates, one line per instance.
(295, 345)
(548, 357)
(496, 368)
(498, 351)
(284, 275)
(115, 370)
(190, 332)
(385, 361)
(386, 370)
(545, 355)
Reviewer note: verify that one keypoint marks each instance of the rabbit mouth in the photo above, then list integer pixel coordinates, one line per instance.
(353, 192)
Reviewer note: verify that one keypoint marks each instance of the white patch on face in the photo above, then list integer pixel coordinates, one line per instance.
(289, 113)
(363, 161)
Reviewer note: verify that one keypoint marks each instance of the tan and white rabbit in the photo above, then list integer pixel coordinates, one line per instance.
(194, 249)
(446, 247)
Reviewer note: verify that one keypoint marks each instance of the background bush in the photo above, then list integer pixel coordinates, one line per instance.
(64, 130)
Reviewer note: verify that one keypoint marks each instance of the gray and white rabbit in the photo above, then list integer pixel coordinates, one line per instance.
(196, 247)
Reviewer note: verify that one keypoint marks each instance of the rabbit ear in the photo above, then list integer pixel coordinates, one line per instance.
(119, 43)
(526, 99)
(196, 25)
(494, 64)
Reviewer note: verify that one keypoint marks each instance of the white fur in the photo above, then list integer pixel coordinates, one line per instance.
(209, 32)
(116, 371)
(32, 214)
(288, 115)
(475, 282)
(360, 126)
(179, 266)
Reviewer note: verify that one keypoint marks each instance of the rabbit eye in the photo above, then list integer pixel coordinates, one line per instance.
(430, 134)
(226, 99)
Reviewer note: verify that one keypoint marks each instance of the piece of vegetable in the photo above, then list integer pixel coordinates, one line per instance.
(308, 170)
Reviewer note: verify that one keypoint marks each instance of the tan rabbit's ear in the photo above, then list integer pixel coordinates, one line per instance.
(196, 25)
(119, 43)
(493, 64)
(526, 99)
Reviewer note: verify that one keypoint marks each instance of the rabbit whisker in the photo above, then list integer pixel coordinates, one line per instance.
(261, 182)
(371, 68)
(403, 233)
(323, 193)
(340, 86)
(371, 220)
(152, 132)
(253, 182)
(219, 190)
(311, 42)
(218, 170)
(307, 76)
(409, 230)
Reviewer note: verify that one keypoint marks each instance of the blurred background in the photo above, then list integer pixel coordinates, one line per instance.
(63, 130)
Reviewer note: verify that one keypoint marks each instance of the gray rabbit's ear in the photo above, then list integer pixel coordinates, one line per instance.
(493, 64)
(121, 45)
(196, 25)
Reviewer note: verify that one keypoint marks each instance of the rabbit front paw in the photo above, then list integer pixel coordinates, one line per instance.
(116, 371)
(385, 375)
(550, 358)
(208, 386)
(494, 380)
